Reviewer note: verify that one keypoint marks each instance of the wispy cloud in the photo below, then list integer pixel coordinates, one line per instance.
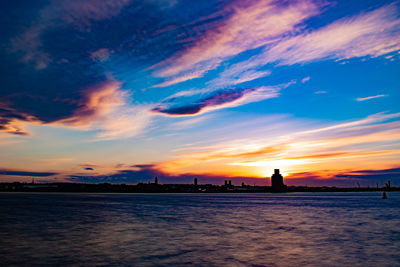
(179, 79)
(305, 79)
(369, 97)
(250, 24)
(338, 146)
(345, 177)
(228, 79)
(370, 34)
(189, 122)
(222, 99)
(125, 122)
(105, 108)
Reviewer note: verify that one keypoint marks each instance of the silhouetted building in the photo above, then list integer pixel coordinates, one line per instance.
(277, 184)
(230, 182)
(156, 180)
(195, 181)
(225, 182)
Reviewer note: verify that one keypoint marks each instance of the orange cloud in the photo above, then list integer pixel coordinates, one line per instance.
(13, 121)
(333, 147)
(105, 107)
(98, 101)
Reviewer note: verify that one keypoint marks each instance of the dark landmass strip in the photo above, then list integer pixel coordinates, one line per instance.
(173, 188)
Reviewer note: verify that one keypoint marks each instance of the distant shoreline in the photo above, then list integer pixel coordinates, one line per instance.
(173, 188)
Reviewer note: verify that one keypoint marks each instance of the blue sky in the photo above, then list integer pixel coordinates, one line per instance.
(214, 89)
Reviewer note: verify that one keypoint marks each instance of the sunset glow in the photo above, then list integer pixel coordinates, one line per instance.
(120, 91)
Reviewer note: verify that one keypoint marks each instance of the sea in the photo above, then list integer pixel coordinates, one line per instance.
(288, 229)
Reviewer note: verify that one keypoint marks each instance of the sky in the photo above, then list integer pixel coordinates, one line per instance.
(122, 91)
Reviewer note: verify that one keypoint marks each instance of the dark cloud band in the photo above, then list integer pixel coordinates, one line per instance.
(218, 99)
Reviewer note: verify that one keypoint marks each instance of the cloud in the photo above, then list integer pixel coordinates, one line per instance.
(352, 126)
(105, 107)
(189, 122)
(305, 79)
(222, 99)
(12, 121)
(320, 92)
(369, 97)
(374, 140)
(256, 25)
(125, 122)
(26, 173)
(100, 55)
(370, 34)
(386, 174)
(345, 178)
(88, 169)
(79, 14)
(228, 78)
(179, 79)
(250, 24)
(97, 101)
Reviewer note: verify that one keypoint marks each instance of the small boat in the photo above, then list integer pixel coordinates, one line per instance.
(384, 196)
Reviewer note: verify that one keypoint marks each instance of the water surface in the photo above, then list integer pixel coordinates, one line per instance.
(296, 229)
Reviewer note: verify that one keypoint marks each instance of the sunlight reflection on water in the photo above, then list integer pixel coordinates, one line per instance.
(298, 229)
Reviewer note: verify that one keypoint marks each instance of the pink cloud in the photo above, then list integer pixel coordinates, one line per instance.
(370, 34)
(98, 101)
(251, 25)
(100, 54)
(105, 108)
(369, 97)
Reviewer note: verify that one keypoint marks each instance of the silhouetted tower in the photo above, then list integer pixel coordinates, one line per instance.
(225, 182)
(277, 184)
(230, 182)
(156, 180)
(195, 181)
